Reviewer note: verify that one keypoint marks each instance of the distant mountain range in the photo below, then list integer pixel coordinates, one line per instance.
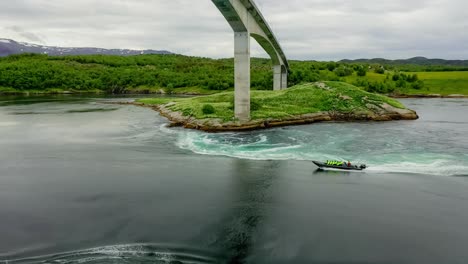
(422, 61)
(9, 47)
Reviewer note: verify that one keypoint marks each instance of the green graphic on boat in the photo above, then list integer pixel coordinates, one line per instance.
(335, 163)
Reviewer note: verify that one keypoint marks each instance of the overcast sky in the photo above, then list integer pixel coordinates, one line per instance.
(306, 29)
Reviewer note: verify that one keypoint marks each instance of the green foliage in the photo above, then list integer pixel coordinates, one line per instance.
(187, 112)
(177, 74)
(331, 66)
(170, 88)
(361, 71)
(157, 100)
(418, 85)
(413, 78)
(300, 99)
(343, 71)
(380, 87)
(208, 109)
(255, 105)
(380, 70)
(401, 83)
(116, 74)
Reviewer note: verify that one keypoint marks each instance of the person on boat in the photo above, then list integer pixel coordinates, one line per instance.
(349, 164)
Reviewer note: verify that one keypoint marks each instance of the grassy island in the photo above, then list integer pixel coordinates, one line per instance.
(306, 103)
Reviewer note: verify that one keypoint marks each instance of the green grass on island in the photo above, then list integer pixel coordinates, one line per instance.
(297, 100)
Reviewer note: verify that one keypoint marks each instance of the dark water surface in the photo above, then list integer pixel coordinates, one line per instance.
(87, 182)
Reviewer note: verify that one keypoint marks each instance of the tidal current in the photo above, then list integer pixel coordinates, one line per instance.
(83, 181)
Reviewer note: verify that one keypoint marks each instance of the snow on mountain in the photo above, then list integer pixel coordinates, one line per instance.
(9, 47)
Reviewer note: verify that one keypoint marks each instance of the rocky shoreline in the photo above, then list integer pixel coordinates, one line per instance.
(383, 113)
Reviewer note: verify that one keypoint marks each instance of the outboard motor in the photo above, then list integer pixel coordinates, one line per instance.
(363, 166)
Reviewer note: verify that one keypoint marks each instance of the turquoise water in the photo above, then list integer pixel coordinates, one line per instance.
(428, 145)
(82, 181)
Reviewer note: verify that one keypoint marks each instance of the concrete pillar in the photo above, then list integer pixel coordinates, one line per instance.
(242, 76)
(284, 78)
(277, 77)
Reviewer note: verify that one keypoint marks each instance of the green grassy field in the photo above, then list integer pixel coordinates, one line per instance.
(300, 99)
(443, 83)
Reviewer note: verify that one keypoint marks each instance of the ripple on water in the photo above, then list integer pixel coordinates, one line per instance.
(72, 111)
(383, 148)
(130, 253)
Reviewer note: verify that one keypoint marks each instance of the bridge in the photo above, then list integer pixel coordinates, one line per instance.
(247, 21)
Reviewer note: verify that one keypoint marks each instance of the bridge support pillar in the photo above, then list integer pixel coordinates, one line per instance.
(277, 82)
(284, 78)
(242, 76)
(280, 77)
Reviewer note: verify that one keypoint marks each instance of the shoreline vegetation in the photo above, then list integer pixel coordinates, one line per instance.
(187, 91)
(184, 75)
(319, 91)
(301, 104)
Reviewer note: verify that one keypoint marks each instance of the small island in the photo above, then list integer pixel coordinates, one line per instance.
(301, 104)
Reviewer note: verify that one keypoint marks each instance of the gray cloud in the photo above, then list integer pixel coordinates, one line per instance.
(28, 36)
(307, 29)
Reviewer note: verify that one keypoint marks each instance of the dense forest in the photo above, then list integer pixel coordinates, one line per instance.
(118, 74)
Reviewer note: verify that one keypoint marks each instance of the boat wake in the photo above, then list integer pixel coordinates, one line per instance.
(129, 253)
(290, 144)
(230, 145)
(438, 167)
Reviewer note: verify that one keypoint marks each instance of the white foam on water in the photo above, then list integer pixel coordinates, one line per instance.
(263, 147)
(166, 129)
(229, 145)
(435, 167)
(129, 253)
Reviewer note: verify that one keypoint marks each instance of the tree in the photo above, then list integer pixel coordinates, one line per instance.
(413, 78)
(380, 70)
(361, 71)
(417, 85)
(331, 66)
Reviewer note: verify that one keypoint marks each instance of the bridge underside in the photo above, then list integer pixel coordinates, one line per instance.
(247, 21)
